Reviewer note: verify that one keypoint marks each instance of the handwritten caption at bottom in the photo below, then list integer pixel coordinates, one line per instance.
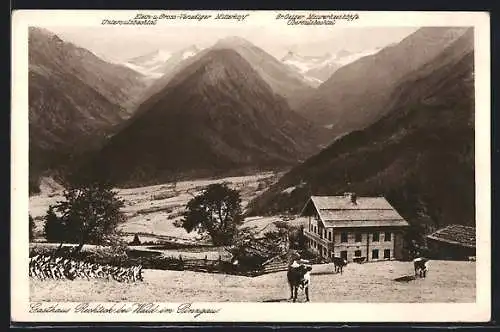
(122, 308)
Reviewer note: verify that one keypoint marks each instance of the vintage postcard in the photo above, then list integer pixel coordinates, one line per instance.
(252, 166)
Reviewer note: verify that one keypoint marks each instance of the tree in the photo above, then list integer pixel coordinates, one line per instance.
(217, 211)
(414, 240)
(31, 228)
(54, 228)
(136, 241)
(89, 214)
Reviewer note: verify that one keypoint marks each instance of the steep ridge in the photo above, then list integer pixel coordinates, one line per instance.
(355, 96)
(420, 155)
(75, 98)
(117, 83)
(214, 117)
(282, 80)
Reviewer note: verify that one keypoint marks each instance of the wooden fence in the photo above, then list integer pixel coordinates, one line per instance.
(220, 266)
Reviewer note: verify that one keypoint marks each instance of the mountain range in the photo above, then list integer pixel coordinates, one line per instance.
(75, 98)
(217, 115)
(400, 120)
(355, 96)
(420, 154)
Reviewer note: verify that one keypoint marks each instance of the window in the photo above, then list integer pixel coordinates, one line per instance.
(357, 253)
(358, 237)
(343, 254)
(324, 251)
(329, 236)
(343, 237)
(387, 236)
(375, 254)
(324, 233)
(376, 237)
(310, 228)
(314, 229)
(387, 253)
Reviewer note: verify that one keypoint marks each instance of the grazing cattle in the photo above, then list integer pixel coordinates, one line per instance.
(299, 277)
(339, 264)
(421, 266)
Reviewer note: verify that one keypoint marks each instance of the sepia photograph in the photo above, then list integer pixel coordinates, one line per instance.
(253, 157)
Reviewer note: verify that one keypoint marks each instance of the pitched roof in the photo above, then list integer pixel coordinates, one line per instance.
(464, 236)
(341, 211)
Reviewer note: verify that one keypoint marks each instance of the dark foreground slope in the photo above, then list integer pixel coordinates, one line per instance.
(217, 116)
(420, 155)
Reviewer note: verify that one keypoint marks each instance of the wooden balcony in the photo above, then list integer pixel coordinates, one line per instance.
(316, 237)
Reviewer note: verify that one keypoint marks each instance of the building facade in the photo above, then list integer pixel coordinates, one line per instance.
(351, 227)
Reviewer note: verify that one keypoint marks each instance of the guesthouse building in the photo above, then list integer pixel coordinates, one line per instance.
(354, 228)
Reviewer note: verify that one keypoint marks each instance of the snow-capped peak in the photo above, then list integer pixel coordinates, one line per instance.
(318, 68)
(155, 64)
(151, 58)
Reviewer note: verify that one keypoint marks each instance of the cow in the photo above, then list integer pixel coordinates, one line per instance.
(421, 266)
(339, 263)
(299, 277)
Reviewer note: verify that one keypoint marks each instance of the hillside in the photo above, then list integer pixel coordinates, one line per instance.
(117, 83)
(355, 96)
(420, 155)
(75, 98)
(215, 117)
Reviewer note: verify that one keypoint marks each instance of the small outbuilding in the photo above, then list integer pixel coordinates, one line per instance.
(456, 242)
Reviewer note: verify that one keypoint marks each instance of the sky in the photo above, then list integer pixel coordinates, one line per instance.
(120, 44)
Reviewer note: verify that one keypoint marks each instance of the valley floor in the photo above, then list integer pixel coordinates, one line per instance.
(154, 210)
(447, 281)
